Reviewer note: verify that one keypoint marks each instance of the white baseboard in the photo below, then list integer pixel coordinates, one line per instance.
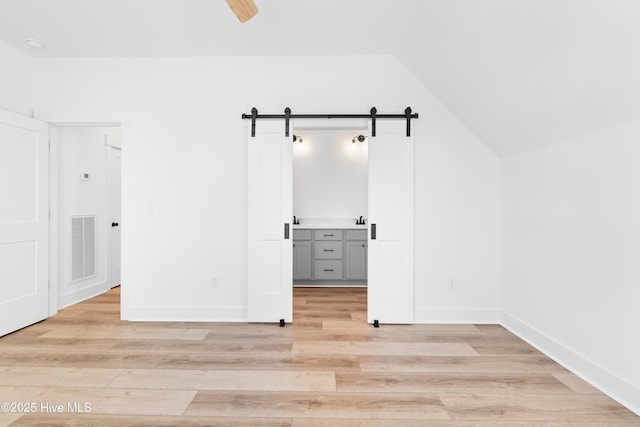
(155, 313)
(609, 383)
(461, 315)
(81, 294)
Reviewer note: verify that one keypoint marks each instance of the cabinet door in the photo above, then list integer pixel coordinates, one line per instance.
(302, 260)
(356, 260)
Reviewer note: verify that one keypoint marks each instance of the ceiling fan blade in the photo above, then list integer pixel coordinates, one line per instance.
(244, 9)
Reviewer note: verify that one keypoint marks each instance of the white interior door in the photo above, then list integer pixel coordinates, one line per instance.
(390, 264)
(24, 221)
(114, 160)
(270, 249)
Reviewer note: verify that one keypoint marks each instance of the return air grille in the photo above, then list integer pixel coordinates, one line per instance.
(83, 247)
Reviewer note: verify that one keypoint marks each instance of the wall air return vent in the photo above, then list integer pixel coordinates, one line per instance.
(83, 247)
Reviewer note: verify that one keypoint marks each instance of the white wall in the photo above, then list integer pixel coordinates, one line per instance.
(16, 76)
(185, 169)
(82, 149)
(570, 255)
(330, 175)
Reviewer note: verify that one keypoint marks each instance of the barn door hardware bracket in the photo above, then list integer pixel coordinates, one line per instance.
(282, 323)
(373, 115)
(254, 116)
(376, 324)
(287, 116)
(373, 111)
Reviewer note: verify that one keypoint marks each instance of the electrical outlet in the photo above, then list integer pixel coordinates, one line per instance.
(214, 283)
(452, 285)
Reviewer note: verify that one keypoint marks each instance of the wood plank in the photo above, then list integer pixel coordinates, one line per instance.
(169, 346)
(571, 407)
(84, 420)
(125, 401)
(576, 383)
(7, 419)
(462, 364)
(388, 422)
(261, 361)
(516, 348)
(342, 405)
(183, 379)
(524, 384)
(342, 325)
(126, 333)
(336, 422)
(412, 349)
(81, 359)
(57, 377)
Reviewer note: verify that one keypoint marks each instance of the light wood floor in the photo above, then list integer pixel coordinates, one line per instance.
(329, 368)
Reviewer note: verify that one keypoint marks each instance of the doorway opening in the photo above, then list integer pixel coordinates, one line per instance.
(86, 204)
(330, 207)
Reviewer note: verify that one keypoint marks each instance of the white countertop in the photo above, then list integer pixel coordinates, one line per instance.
(346, 223)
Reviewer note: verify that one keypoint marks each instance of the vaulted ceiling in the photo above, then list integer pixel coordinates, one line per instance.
(519, 73)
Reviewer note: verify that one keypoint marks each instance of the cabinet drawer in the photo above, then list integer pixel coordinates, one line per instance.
(328, 269)
(328, 234)
(302, 235)
(328, 249)
(356, 235)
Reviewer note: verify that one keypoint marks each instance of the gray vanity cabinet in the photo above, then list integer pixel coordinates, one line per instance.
(355, 255)
(302, 256)
(324, 257)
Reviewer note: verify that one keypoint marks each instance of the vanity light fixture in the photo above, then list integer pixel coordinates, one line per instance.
(34, 44)
(359, 138)
(297, 139)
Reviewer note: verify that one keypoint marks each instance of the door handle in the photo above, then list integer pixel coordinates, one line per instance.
(286, 231)
(373, 232)
(114, 224)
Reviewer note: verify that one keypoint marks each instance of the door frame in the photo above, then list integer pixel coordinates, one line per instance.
(108, 147)
(64, 117)
(302, 125)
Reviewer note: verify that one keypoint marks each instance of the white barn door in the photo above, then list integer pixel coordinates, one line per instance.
(24, 221)
(390, 267)
(270, 204)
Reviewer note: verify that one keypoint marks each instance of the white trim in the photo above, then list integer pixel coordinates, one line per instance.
(81, 294)
(609, 383)
(457, 315)
(125, 294)
(110, 216)
(53, 221)
(188, 313)
(82, 116)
